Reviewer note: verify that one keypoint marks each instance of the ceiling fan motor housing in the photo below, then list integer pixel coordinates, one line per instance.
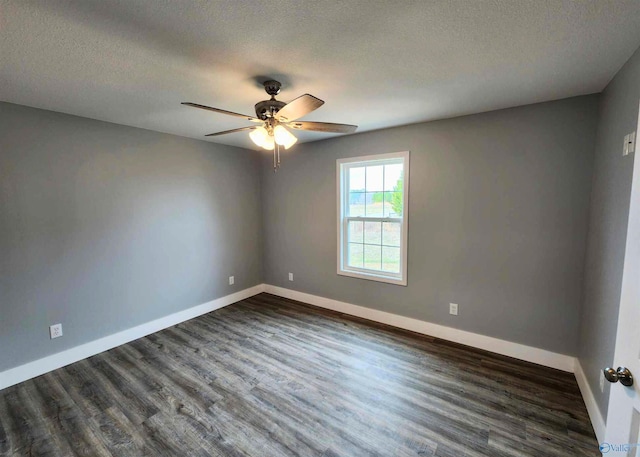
(267, 108)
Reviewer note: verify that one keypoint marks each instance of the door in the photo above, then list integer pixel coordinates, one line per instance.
(623, 419)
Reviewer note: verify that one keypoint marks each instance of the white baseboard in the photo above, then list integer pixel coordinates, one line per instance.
(519, 351)
(61, 359)
(597, 421)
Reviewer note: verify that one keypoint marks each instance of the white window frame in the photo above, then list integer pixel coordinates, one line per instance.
(342, 186)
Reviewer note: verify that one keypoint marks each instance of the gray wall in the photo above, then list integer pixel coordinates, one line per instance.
(498, 213)
(618, 115)
(104, 227)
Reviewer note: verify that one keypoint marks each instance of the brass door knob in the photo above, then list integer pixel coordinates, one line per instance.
(622, 374)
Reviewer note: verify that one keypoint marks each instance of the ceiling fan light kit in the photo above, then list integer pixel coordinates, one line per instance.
(275, 116)
(268, 143)
(283, 137)
(259, 137)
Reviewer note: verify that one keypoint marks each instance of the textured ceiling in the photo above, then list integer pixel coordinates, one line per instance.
(376, 63)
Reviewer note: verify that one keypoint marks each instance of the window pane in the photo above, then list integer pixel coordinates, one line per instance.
(356, 232)
(391, 259)
(373, 233)
(356, 203)
(374, 203)
(393, 177)
(356, 179)
(355, 256)
(372, 257)
(391, 234)
(375, 179)
(393, 204)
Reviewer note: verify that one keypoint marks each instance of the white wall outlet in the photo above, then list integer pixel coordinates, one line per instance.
(55, 331)
(232, 280)
(453, 309)
(631, 143)
(290, 276)
(601, 381)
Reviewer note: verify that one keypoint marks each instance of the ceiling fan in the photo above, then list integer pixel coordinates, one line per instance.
(273, 117)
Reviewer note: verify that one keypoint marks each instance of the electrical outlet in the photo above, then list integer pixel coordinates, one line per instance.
(601, 381)
(631, 143)
(453, 309)
(232, 280)
(55, 331)
(290, 276)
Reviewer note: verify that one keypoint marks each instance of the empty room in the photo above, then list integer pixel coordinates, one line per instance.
(319, 228)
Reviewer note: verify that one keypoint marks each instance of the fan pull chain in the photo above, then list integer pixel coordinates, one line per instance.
(276, 158)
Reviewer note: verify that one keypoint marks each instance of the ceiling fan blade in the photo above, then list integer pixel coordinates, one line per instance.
(322, 127)
(222, 111)
(241, 129)
(299, 107)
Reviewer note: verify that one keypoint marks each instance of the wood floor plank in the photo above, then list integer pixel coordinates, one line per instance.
(138, 406)
(271, 377)
(117, 433)
(4, 438)
(82, 386)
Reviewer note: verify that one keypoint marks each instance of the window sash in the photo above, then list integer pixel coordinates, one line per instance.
(371, 271)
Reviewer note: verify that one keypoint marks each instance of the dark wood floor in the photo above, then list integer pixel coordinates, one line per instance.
(272, 377)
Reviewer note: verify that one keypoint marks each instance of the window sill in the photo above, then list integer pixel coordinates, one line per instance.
(374, 277)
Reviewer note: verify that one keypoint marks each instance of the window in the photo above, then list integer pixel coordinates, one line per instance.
(372, 217)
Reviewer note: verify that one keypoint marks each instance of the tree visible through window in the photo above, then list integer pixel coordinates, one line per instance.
(372, 217)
